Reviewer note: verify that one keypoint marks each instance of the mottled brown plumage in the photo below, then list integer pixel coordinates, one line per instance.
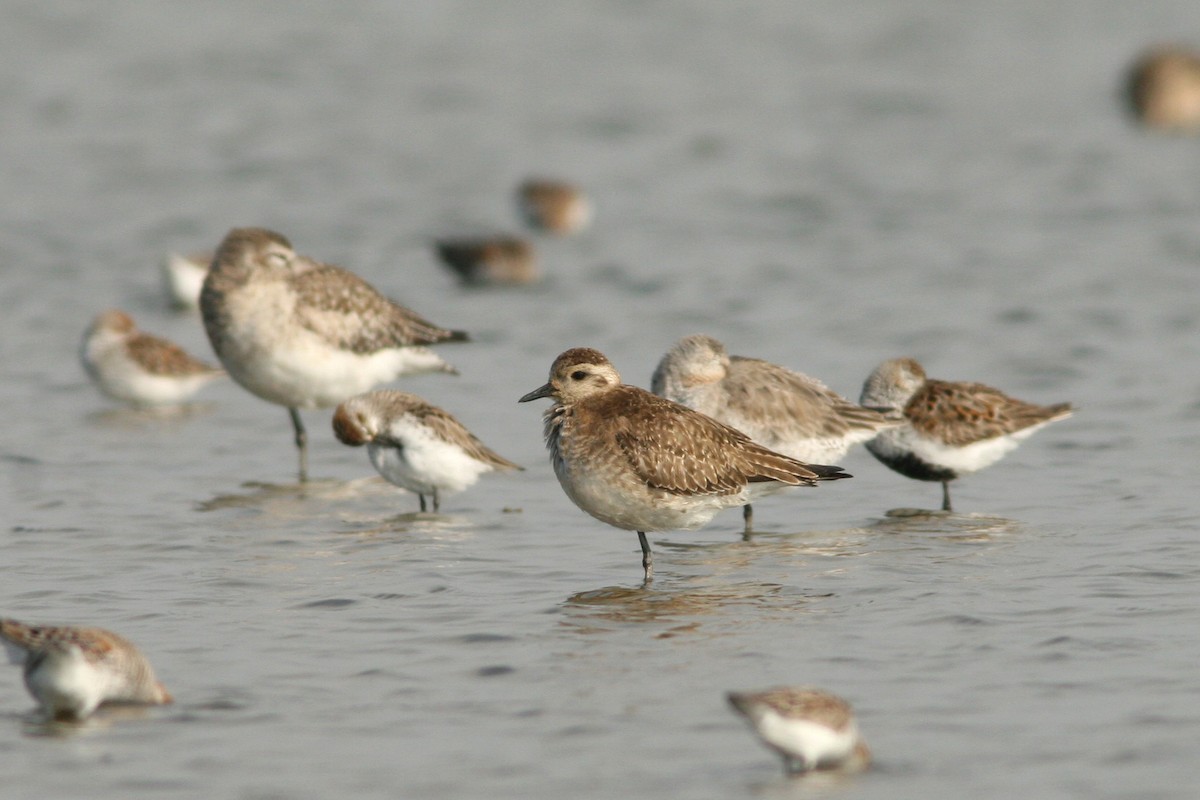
(348, 311)
(644, 463)
(962, 413)
(161, 357)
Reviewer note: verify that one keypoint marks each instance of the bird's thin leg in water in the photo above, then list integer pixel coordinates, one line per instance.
(301, 443)
(946, 496)
(647, 558)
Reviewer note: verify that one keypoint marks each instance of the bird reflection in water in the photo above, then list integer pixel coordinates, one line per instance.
(946, 524)
(712, 597)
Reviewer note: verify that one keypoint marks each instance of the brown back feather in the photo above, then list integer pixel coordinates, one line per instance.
(963, 413)
(362, 319)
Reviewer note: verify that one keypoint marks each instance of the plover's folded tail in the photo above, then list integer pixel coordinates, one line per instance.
(826, 472)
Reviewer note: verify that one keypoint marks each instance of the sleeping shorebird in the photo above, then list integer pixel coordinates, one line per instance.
(1163, 89)
(809, 728)
(786, 411)
(553, 206)
(953, 429)
(137, 368)
(492, 260)
(70, 671)
(303, 334)
(643, 463)
(415, 445)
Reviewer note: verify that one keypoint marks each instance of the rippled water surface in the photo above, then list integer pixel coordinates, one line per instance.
(818, 184)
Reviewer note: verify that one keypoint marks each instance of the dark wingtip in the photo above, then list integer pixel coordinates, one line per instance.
(829, 473)
(457, 336)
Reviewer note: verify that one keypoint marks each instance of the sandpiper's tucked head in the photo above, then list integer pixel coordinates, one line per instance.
(695, 360)
(575, 374)
(114, 321)
(355, 423)
(893, 383)
(255, 247)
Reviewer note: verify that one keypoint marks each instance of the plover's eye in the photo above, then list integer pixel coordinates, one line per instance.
(578, 375)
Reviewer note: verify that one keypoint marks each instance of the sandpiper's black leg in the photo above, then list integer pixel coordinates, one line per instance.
(946, 496)
(422, 502)
(301, 443)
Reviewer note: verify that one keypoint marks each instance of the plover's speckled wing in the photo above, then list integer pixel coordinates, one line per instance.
(351, 315)
(959, 413)
(673, 448)
(795, 406)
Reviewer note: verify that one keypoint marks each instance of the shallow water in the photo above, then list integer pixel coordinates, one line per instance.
(815, 185)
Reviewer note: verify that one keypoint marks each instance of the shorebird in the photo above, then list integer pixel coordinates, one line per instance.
(70, 671)
(183, 277)
(1163, 89)
(489, 260)
(642, 463)
(810, 728)
(137, 368)
(303, 334)
(553, 206)
(786, 411)
(415, 445)
(953, 429)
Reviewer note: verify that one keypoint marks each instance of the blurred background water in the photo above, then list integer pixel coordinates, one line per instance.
(818, 184)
